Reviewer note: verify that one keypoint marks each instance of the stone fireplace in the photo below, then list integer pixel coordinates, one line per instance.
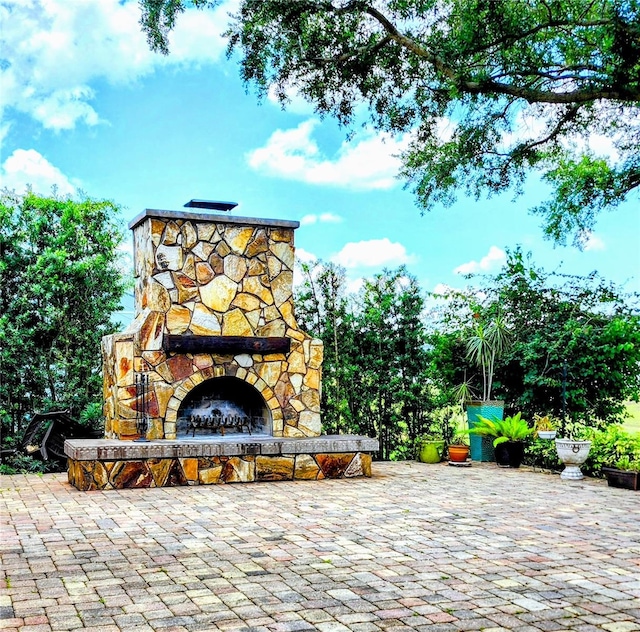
(232, 384)
(213, 301)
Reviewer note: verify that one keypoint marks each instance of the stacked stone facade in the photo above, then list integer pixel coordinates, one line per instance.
(211, 275)
(213, 470)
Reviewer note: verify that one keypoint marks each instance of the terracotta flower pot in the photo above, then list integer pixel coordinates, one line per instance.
(458, 453)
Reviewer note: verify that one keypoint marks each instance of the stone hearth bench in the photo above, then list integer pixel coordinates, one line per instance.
(114, 464)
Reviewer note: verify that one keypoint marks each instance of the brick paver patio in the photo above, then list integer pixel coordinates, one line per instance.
(416, 547)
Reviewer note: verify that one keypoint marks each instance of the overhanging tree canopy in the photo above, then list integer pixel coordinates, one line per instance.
(486, 89)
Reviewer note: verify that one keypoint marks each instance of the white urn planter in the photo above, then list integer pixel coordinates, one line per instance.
(573, 454)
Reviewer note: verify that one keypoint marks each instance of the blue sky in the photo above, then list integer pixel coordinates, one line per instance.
(85, 105)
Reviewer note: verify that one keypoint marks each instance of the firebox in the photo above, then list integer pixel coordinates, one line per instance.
(214, 332)
(224, 406)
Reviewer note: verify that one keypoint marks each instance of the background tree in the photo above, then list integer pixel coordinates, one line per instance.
(556, 320)
(486, 90)
(377, 371)
(59, 287)
(322, 309)
(582, 323)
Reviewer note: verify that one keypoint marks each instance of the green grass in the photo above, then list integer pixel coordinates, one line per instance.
(632, 423)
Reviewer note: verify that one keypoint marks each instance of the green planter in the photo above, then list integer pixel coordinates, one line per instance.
(430, 451)
(482, 447)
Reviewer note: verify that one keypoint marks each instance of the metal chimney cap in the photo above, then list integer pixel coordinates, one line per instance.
(212, 205)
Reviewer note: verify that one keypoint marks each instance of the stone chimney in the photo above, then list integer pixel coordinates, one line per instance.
(213, 299)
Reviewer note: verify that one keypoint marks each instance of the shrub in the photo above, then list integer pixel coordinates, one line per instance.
(92, 417)
(625, 463)
(542, 453)
(24, 464)
(610, 446)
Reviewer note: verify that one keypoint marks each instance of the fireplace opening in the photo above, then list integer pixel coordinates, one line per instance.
(223, 406)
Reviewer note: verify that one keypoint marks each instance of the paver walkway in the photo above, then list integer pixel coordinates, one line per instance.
(416, 547)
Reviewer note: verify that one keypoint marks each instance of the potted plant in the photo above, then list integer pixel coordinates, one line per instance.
(615, 453)
(429, 448)
(484, 345)
(544, 427)
(573, 453)
(458, 448)
(457, 435)
(625, 474)
(508, 434)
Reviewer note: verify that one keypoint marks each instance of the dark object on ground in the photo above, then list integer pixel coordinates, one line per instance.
(510, 453)
(47, 432)
(625, 479)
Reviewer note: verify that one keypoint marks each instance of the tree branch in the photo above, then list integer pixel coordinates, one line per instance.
(524, 35)
(569, 115)
(530, 95)
(369, 49)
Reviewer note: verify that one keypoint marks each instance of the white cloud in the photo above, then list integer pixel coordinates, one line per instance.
(367, 162)
(493, 259)
(600, 141)
(302, 256)
(27, 167)
(323, 218)
(308, 219)
(532, 123)
(305, 256)
(296, 104)
(591, 241)
(4, 130)
(125, 260)
(443, 289)
(527, 126)
(372, 253)
(56, 49)
(63, 108)
(603, 146)
(353, 286)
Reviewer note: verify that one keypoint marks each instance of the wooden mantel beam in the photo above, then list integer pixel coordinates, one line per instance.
(186, 343)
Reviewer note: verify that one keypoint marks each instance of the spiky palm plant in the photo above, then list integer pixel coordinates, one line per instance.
(484, 346)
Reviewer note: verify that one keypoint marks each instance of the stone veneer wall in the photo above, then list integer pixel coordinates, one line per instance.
(212, 470)
(204, 274)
